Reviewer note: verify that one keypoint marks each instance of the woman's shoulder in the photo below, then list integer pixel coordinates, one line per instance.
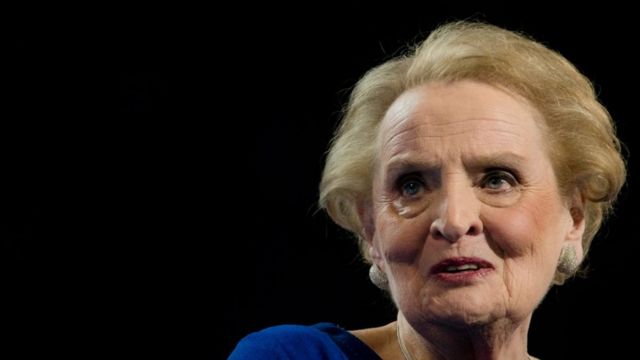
(319, 341)
(286, 336)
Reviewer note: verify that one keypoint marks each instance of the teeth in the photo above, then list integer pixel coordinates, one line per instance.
(462, 267)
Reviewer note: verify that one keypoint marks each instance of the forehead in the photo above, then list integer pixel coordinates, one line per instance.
(465, 113)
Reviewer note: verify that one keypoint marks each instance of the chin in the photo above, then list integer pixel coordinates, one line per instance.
(464, 319)
(463, 312)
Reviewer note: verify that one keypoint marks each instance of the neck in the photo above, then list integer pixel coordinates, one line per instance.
(504, 340)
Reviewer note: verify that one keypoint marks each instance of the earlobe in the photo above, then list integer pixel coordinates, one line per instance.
(374, 254)
(365, 213)
(577, 226)
(572, 252)
(578, 221)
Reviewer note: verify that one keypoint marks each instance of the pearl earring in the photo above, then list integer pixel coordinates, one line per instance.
(378, 278)
(567, 264)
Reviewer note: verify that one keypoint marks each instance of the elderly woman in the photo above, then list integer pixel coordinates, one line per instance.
(475, 172)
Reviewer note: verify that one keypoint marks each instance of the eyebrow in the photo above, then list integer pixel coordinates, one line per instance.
(408, 164)
(508, 159)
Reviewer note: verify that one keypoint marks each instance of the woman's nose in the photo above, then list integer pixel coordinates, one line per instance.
(457, 214)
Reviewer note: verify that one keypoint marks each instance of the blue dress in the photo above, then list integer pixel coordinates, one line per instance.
(324, 341)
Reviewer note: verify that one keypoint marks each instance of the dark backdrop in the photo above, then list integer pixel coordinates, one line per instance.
(163, 166)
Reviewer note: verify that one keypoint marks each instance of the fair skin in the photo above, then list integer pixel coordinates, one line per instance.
(466, 221)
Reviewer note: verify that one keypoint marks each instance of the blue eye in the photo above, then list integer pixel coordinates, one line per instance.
(411, 187)
(499, 181)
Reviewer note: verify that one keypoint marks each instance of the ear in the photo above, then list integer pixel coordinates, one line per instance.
(365, 214)
(577, 226)
(367, 219)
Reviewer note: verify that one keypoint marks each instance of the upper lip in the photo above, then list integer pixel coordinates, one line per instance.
(459, 261)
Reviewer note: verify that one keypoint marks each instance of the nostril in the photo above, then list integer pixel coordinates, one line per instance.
(450, 231)
(474, 230)
(436, 229)
(437, 234)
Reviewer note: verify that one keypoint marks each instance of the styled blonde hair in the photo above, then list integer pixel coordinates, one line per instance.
(583, 147)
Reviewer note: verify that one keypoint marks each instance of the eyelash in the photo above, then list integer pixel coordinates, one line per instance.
(501, 174)
(507, 175)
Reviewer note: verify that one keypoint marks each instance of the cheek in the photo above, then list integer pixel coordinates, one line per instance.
(531, 227)
(400, 239)
(528, 239)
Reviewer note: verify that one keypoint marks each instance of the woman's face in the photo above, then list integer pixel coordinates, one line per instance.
(466, 218)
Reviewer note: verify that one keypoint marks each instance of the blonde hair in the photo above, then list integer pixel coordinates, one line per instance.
(582, 143)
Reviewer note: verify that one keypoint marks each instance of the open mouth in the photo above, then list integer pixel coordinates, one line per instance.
(460, 265)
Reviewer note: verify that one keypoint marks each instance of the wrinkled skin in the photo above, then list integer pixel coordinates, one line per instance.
(462, 170)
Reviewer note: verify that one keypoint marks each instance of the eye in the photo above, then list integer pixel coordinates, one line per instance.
(411, 186)
(499, 181)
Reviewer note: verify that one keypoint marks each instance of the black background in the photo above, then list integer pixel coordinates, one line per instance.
(161, 169)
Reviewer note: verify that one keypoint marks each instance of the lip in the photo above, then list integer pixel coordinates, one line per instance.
(439, 269)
